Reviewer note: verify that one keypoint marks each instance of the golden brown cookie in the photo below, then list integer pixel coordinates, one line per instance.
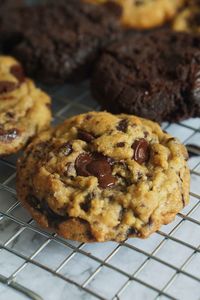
(24, 109)
(146, 13)
(100, 177)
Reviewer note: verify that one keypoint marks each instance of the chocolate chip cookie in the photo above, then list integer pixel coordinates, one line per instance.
(59, 42)
(24, 109)
(100, 177)
(154, 75)
(145, 13)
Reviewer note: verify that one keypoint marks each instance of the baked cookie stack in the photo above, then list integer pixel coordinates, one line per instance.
(100, 176)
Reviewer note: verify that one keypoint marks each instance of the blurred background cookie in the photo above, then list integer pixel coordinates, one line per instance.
(58, 42)
(145, 13)
(154, 75)
(24, 109)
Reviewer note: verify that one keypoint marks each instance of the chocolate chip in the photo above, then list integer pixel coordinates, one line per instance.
(85, 136)
(68, 169)
(18, 72)
(8, 135)
(34, 202)
(95, 164)
(10, 114)
(66, 149)
(171, 139)
(113, 8)
(86, 205)
(7, 86)
(131, 232)
(120, 145)
(123, 125)
(88, 117)
(121, 213)
(141, 151)
(53, 218)
(81, 164)
(183, 200)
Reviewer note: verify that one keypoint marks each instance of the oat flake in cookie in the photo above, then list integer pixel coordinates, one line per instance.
(100, 177)
(24, 109)
(154, 75)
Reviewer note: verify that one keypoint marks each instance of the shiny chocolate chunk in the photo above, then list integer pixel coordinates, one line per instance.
(81, 163)
(95, 164)
(85, 136)
(7, 86)
(141, 151)
(18, 72)
(8, 135)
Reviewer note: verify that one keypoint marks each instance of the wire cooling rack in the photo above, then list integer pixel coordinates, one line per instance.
(36, 264)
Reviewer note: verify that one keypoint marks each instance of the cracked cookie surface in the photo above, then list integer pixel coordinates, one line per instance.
(24, 109)
(100, 177)
(58, 42)
(154, 75)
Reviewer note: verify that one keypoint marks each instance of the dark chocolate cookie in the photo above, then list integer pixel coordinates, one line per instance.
(154, 75)
(59, 42)
(10, 3)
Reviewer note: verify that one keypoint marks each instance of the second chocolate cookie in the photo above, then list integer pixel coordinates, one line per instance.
(59, 42)
(153, 75)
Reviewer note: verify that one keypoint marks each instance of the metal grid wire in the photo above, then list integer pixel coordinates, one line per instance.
(36, 264)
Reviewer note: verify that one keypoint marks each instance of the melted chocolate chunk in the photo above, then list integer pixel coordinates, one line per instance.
(8, 135)
(18, 72)
(81, 163)
(141, 151)
(95, 164)
(123, 125)
(7, 86)
(85, 136)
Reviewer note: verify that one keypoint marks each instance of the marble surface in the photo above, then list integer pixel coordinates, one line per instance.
(30, 256)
